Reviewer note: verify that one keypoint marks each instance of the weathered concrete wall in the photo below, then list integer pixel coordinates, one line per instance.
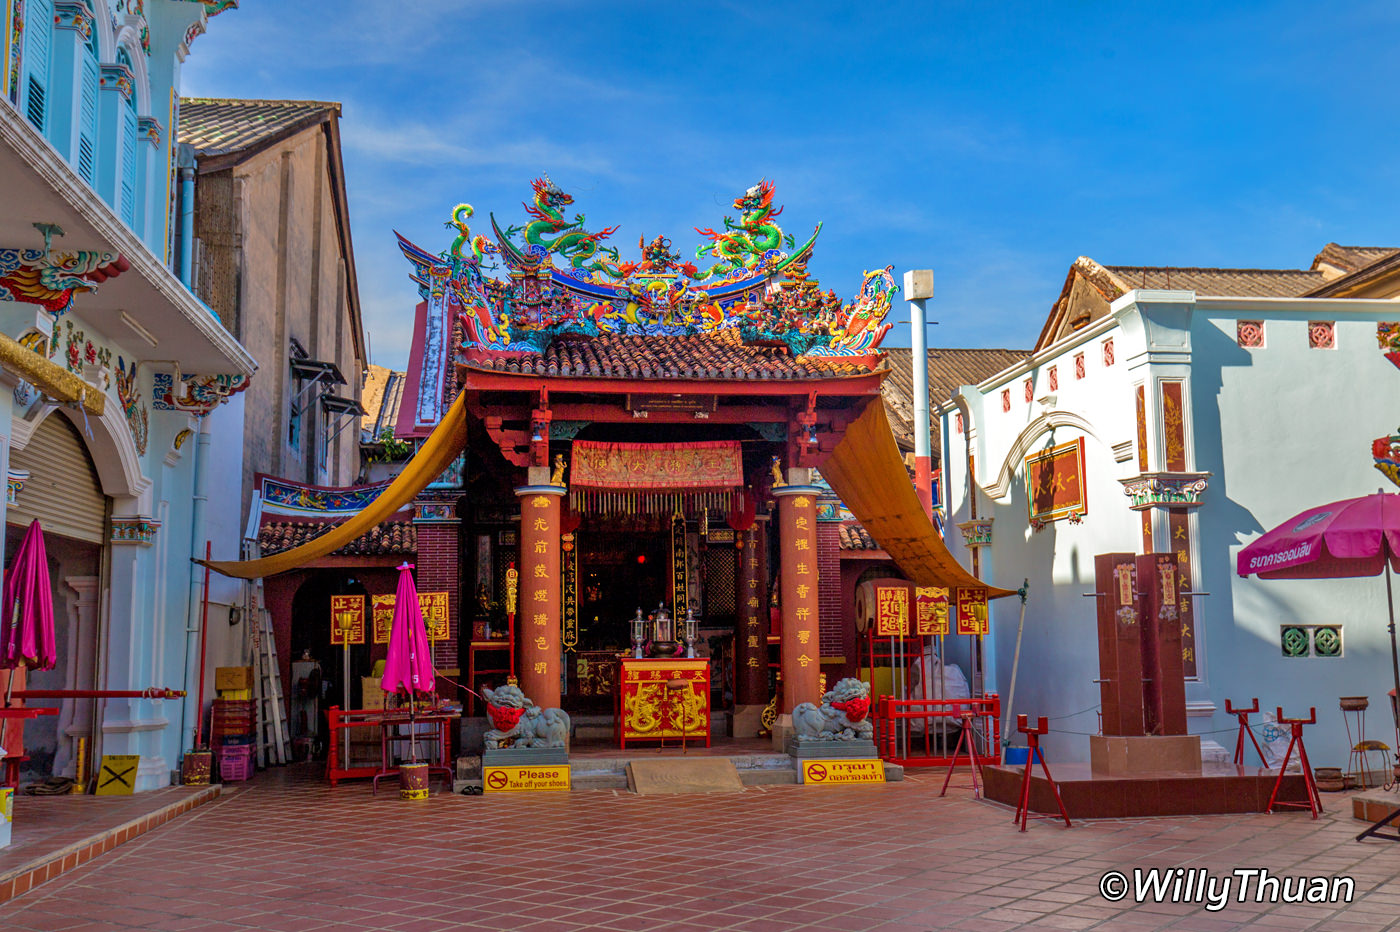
(273, 268)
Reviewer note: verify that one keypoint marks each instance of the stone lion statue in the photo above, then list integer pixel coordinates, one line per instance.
(844, 715)
(519, 723)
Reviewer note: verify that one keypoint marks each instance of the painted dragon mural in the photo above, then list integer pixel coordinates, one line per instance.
(560, 279)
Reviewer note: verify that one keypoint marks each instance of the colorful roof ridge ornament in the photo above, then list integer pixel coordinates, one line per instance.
(560, 280)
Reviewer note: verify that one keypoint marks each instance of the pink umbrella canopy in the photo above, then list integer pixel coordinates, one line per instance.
(409, 666)
(1339, 539)
(26, 628)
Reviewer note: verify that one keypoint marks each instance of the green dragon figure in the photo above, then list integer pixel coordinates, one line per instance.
(480, 244)
(743, 245)
(571, 240)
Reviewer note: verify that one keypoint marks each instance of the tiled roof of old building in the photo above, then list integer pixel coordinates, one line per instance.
(698, 356)
(1233, 283)
(383, 393)
(1351, 258)
(855, 537)
(220, 126)
(947, 370)
(392, 538)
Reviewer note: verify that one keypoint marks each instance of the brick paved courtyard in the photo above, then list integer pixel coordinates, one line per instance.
(290, 854)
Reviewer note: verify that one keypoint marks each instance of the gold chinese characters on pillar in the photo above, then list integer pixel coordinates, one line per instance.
(347, 620)
(680, 567)
(569, 546)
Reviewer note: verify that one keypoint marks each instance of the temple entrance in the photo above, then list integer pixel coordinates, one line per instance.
(645, 562)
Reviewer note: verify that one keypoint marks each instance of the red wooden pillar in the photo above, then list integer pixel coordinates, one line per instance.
(751, 649)
(1120, 643)
(538, 616)
(798, 593)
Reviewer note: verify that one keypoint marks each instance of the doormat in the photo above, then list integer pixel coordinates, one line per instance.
(675, 775)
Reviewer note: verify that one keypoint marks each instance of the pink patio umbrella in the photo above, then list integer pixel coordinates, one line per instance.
(409, 665)
(1352, 537)
(26, 627)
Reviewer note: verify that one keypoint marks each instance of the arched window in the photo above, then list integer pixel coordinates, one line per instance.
(37, 51)
(87, 112)
(127, 200)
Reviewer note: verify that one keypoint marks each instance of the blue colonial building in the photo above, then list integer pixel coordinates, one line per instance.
(109, 363)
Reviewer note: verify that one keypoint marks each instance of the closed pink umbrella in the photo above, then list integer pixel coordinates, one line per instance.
(409, 666)
(1352, 537)
(26, 627)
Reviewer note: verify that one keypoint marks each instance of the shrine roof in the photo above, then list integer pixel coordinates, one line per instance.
(855, 537)
(722, 356)
(392, 538)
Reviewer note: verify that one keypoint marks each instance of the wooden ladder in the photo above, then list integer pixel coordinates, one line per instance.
(271, 740)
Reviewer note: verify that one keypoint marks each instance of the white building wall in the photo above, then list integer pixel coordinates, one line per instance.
(1281, 429)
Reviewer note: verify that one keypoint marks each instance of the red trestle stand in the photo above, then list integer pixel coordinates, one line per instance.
(1032, 753)
(1243, 716)
(966, 736)
(1314, 800)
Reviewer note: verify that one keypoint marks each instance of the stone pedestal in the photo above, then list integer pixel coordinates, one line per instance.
(748, 720)
(523, 757)
(782, 731)
(830, 750)
(1120, 755)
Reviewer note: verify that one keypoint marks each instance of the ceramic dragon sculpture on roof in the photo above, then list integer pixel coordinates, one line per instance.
(551, 232)
(756, 288)
(754, 239)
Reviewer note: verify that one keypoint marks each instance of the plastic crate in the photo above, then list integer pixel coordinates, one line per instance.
(236, 764)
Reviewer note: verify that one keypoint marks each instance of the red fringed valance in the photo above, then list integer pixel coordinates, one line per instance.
(715, 465)
(655, 477)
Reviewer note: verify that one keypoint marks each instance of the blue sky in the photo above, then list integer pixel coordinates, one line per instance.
(991, 142)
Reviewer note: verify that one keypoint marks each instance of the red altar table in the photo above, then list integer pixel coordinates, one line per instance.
(661, 698)
(436, 746)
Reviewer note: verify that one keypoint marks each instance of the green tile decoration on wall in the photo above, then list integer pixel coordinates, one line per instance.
(1295, 641)
(1327, 641)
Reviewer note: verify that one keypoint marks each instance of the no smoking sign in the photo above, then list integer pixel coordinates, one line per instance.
(842, 771)
(526, 779)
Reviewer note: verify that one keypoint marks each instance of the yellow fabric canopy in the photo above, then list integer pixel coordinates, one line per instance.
(448, 439)
(868, 473)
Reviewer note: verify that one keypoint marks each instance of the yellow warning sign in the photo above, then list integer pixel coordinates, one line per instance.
(117, 776)
(522, 779)
(830, 772)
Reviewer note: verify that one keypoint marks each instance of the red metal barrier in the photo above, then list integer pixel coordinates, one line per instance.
(152, 693)
(897, 741)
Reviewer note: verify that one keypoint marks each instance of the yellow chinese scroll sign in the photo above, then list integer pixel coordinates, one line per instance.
(868, 473)
(437, 453)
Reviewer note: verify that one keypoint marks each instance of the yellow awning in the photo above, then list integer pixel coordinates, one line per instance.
(868, 473)
(448, 439)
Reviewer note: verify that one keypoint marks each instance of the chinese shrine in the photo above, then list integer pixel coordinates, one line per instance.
(651, 462)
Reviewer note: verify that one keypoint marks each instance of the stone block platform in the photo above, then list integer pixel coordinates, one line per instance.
(1218, 788)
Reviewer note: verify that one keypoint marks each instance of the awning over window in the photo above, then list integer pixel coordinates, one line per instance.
(867, 471)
